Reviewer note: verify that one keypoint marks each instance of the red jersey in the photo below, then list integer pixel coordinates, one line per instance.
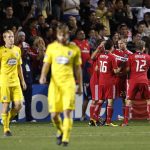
(106, 63)
(138, 64)
(85, 50)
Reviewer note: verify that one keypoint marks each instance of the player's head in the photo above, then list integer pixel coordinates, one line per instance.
(109, 45)
(140, 46)
(8, 37)
(122, 44)
(63, 33)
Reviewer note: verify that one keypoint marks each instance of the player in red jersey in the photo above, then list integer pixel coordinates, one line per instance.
(84, 46)
(121, 55)
(137, 66)
(94, 84)
(107, 68)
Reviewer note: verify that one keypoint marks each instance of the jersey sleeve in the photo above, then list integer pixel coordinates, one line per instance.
(48, 56)
(77, 60)
(114, 62)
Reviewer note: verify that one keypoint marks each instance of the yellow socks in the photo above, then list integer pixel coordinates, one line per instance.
(58, 125)
(5, 122)
(11, 114)
(67, 126)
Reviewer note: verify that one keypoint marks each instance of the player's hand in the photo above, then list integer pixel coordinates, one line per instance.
(42, 80)
(79, 90)
(24, 86)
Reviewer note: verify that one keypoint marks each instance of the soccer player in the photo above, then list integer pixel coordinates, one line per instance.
(64, 58)
(94, 86)
(10, 69)
(107, 68)
(137, 66)
(84, 46)
(121, 55)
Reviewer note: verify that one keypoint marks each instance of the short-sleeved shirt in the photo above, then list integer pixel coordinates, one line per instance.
(107, 63)
(62, 59)
(10, 58)
(139, 64)
(85, 50)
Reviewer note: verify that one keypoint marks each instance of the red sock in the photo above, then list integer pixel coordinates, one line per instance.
(97, 110)
(126, 117)
(123, 110)
(92, 107)
(109, 114)
(148, 111)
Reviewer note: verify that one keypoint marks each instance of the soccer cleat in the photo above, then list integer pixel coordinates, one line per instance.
(111, 125)
(102, 121)
(124, 125)
(91, 123)
(59, 140)
(65, 144)
(7, 133)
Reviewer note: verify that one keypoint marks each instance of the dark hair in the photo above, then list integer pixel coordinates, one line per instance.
(141, 23)
(100, 1)
(108, 44)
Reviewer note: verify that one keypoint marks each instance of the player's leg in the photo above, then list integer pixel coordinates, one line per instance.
(5, 98)
(17, 97)
(57, 122)
(86, 99)
(148, 108)
(67, 126)
(5, 120)
(128, 106)
(132, 89)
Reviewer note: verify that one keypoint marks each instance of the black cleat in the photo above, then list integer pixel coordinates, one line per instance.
(91, 123)
(7, 133)
(59, 140)
(65, 144)
(102, 121)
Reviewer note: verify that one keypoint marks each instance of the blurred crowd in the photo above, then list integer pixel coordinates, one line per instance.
(34, 24)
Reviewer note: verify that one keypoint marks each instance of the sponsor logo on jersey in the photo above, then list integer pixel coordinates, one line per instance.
(62, 60)
(12, 61)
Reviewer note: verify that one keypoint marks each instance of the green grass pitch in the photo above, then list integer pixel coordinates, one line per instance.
(41, 136)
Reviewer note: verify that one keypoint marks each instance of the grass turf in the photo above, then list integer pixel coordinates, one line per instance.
(41, 136)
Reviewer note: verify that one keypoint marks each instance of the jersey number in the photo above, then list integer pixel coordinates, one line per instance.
(103, 67)
(139, 65)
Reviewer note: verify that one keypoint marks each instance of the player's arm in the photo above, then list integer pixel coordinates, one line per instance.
(45, 70)
(99, 49)
(20, 74)
(78, 75)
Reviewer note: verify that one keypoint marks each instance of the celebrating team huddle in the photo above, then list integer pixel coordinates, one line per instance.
(119, 73)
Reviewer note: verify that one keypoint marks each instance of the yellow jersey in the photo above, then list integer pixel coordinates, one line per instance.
(62, 59)
(10, 58)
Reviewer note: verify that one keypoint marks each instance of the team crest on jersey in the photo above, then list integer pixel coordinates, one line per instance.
(69, 53)
(12, 62)
(4, 97)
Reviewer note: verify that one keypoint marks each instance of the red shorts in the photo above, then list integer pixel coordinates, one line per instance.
(94, 86)
(120, 84)
(134, 88)
(107, 91)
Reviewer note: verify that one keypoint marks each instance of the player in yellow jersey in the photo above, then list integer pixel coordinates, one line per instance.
(10, 69)
(65, 60)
